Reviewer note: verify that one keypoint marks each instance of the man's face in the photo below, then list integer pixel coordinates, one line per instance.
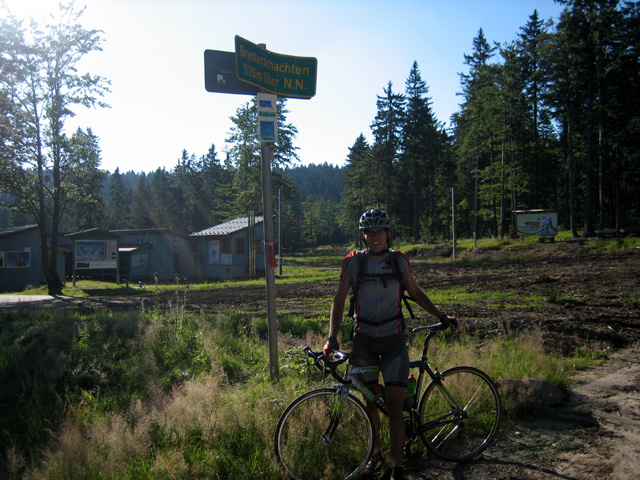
(376, 239)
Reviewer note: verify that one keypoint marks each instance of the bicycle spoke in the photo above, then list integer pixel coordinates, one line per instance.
(461, 432)
(321, 436)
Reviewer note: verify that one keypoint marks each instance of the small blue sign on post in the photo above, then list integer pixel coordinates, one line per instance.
(267, 117)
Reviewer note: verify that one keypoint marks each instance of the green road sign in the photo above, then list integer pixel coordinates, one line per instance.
(284, 75)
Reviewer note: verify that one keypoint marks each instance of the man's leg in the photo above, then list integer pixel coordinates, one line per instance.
(394, 399)
(375, 416)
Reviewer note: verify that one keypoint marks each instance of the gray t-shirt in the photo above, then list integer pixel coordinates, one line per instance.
(380, 297)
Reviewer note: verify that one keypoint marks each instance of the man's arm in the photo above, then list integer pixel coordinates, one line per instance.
(421, 298)
(337, 310)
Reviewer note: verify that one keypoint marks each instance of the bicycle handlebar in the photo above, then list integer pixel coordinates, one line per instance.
(436, 327)
(332, 365)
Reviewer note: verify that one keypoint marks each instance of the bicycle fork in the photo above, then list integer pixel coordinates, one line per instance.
(336, 413)
(459, 412)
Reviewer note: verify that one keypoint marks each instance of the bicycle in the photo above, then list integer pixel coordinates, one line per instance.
(328, 433)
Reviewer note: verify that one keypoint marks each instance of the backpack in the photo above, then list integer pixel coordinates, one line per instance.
(361, 258)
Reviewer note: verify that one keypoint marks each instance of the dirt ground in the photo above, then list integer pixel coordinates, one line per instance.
(594, 301)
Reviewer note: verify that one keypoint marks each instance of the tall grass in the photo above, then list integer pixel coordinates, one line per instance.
(174, 394)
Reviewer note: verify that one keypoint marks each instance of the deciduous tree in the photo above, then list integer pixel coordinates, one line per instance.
(40, 90)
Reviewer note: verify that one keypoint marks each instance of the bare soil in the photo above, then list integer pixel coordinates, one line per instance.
(592, 300)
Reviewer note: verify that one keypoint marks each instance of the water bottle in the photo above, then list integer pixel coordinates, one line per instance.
(378, 390)
(411, 393)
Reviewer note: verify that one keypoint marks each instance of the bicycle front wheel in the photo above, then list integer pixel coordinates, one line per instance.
(460, 415)
(322, 435)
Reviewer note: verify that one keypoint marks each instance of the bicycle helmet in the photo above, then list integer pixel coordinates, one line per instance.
(374, 219)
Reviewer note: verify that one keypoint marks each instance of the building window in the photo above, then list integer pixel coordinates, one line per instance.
(226, 245)
(239, 246)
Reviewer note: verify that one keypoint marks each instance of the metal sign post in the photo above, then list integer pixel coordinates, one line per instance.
(266, 150)
(253, 70)
(268, 131)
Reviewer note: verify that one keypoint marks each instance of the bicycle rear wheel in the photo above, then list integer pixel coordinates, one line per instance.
(320, 437)
(461, 415)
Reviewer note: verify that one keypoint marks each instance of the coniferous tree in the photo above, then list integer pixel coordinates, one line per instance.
(140, 211)
(529, 50)
(362, 183)
(387, 131)
(513, 136)
(86, 199)
(475, 129)
(423, 142)
(210, 179)
(165, 212)
(118, 209)
(588, 26)
(624, 129)
(244, 153)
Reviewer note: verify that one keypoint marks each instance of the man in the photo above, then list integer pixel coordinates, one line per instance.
(379, 325)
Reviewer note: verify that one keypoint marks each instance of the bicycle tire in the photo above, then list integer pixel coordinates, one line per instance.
(306, 455)
(459, 435)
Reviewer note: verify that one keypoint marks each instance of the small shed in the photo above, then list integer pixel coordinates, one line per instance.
(147, 252)
(234, 249)
(21, 258)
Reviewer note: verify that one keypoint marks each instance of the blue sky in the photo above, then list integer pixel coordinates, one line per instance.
(153, 54)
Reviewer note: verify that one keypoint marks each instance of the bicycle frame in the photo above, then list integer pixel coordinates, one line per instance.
(351, 380)
(423, 367)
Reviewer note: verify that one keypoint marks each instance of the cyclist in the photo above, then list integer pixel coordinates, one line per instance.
(379, 325)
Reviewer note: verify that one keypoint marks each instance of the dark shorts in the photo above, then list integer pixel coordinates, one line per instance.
(389, 354)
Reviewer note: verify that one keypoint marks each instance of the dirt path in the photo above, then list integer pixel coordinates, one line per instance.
(595, 434)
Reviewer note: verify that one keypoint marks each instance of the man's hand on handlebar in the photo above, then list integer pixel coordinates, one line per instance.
(453, 325)
(331, 345)
(449, 322)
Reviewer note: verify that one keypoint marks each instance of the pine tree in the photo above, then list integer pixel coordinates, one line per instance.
(244, 154)
(86, 200)
(360, 185)
(475, 130)
(422, 147)
(387, 131)
(140, 212)
(118, 208)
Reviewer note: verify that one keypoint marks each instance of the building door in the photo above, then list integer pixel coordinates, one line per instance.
(176, 262)
(124, 265)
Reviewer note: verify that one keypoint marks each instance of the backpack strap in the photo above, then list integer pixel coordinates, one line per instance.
(395, 266)
(361, 258)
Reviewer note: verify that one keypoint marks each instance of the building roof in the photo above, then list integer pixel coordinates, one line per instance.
(10, 231)
(148, 231)
(227, 228)
(94, 233)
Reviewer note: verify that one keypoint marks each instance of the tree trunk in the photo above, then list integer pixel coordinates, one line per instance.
(416, 201)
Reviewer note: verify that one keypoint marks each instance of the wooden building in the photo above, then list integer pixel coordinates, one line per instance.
(234, 249)
(147, 252)
(21, 258)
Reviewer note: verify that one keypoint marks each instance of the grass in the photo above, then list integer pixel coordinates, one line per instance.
(295, 273)
(177, 395)
(150, 394)
(613, 245)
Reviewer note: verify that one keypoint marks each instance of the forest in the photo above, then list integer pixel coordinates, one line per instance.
(550, 120)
